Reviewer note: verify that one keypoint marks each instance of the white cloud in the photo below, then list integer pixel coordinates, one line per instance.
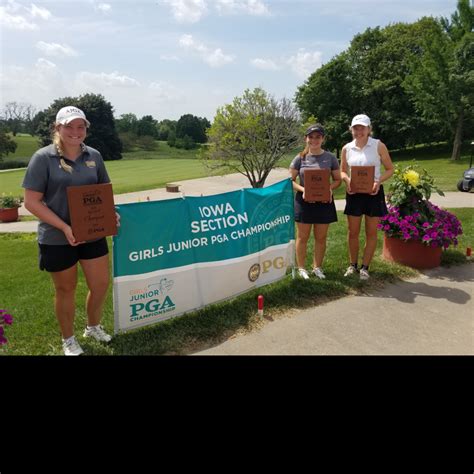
(18, 17)
(251, 7)
(265, 64)
(103, 80)
(55, 49)
(305, 63)
(169, 57)
(187, 11)
(40, 12)
(103, 7)
(215, 58)
(15, 22)
(38, 84)
(164, 91)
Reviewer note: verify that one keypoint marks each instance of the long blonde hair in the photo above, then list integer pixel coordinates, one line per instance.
(304, 152)
(58, 144)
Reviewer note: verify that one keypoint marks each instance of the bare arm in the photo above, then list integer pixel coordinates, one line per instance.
(296, 186)
(345, 171)
(34, 204)
(336, 179)
(387, 164)
(386, 161)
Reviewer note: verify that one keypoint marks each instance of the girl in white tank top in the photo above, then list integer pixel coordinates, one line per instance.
(364, 151)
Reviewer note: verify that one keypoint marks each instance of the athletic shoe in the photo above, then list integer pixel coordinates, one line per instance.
(364, 274)
(350, 271)
(98, 333)
(319, 273)
(303, 273)
(71, 347)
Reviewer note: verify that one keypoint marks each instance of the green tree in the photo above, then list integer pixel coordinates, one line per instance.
(369, 78)
(327, 95)
(147, 125)
(192, 126)
(165, 127)
(7, 144)
(101, 135)
(441, 79)
(250, 135)
(126, 123)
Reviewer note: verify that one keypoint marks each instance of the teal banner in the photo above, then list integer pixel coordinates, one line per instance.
(173, 233)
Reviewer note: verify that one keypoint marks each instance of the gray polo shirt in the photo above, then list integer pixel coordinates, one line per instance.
(324, 161)
(45, 175)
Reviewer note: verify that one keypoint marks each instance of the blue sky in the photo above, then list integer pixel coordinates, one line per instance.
(167, 58)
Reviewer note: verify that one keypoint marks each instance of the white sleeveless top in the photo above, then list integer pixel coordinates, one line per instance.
(366, 156)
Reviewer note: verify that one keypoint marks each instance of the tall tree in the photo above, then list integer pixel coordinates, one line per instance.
(147, 126)
(165, 127)
(250, 135)
(101, 135)
(191, 126)
(7, 145)
(441, 79)
(18, 116)
(126, 123)
(369, 78)
(327, 95)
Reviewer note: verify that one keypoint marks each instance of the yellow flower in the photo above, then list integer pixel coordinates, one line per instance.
(412, 177)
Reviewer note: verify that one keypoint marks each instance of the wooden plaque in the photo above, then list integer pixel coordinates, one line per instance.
(362, 179)
(317, 185)
(92, 211)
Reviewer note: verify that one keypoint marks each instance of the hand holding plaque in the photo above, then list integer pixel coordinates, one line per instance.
(317, 185)
(362, 179)
(92, 211)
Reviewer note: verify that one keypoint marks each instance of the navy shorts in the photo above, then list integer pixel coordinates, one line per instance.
(372, 206)
(56, 258)
(314, 212)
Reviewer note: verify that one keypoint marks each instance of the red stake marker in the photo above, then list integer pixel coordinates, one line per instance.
(468, 251)
(260, 305)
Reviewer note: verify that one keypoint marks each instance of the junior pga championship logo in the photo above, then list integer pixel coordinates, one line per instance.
(152, 300)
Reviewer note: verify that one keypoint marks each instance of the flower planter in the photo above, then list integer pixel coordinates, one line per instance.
(411, 253)
(9, 214)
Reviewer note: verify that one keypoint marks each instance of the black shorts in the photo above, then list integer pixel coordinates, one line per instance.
(372, 206)
(56, 258)
(314, 212)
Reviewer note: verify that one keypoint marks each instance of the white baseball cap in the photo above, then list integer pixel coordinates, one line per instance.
(69, 113)
(361, 119)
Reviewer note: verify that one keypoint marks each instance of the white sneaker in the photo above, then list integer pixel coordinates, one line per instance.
(98, 333)
(71, 347)
(303, 273)
(364, 274)
(350, 271)
(319, 273)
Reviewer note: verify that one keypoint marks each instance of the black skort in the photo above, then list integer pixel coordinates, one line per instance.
(56, 258)
(372, 206)
(314, 213)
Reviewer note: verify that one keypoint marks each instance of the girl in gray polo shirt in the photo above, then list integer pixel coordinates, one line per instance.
(314, 216)
(51, 170)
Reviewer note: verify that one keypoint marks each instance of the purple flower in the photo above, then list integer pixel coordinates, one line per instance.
(7, 318)
(3, 340)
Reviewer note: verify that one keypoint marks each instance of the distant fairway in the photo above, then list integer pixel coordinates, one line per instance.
(127, 176)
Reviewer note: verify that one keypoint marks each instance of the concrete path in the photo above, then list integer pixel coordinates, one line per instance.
(222, 184)
(432, 314)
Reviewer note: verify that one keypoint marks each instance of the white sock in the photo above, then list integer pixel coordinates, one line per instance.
(69, 339)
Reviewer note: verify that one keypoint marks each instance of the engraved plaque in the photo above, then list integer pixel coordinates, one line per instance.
(92, 211)
(317, 185)
(362, 179)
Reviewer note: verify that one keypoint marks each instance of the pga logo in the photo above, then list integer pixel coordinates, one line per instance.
(153, 306)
